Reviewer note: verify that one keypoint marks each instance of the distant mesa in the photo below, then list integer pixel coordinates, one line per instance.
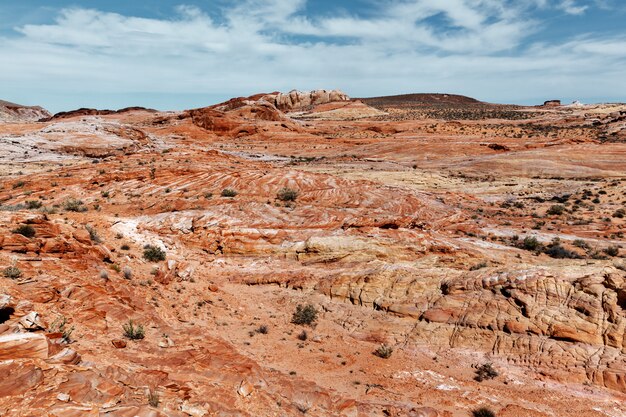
(423, 99)
(552, 103)
(17, 113)
(93, 112)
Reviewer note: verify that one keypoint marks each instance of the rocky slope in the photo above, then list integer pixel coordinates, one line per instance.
(16, 113)
(454, 244)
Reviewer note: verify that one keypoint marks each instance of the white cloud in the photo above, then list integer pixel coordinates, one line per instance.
(267, 45)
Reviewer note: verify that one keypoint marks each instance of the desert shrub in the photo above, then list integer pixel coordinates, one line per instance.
(530, 243)
(303, 335)
(25, 230)
(153, 253)
(619, 213)
(383, 351)
(125, 247)
(19, 184)
(228, 192)
(485, 371)
(287, 194)
(128, 273)
(556, 210)
(60, 326)
(93, 234)
(132, 331)
(478, 266)
(559, 252)
(12, 272)
(483, 412)
(72, 204)
(304, 315)
(579, 243)
(263, 329)
(153, 398)
(104, 274)
(611, 250)
(33, 204)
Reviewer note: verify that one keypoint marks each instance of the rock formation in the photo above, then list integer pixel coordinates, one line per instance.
(16, 113)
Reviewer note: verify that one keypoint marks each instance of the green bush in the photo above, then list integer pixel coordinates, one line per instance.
(133, 332)
(287, 194)
(25, 230)
(304, 315)
(228, 192)
(153, 253)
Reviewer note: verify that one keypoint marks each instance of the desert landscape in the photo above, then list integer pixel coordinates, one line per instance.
(308, 253)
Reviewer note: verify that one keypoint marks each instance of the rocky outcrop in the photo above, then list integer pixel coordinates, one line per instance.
(16, 113)
(303, 100)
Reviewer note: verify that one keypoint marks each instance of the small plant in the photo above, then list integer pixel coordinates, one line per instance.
(556, 210)
(125, 247)
(263, 329)
(612, 250)
(104, 194)
(25, 230)
(228, 192)
(153, 398)
(383, 351)
(19, 184)
(619, 213)
(559, 252)
(531, 243)
(483, 412)
(128, 273)
(208, 195)
(478, 266)
(304, 315)
(485, 371)
(72, 204)
(579, 243)
(153, 253)
(59, 326)
(12, 272)
(93, 234)
(134, 332)
(33, 204)
(303, 335)
(287, 194)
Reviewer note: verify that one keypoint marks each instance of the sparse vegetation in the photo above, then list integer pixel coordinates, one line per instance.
(125, 247)
(383, 351)
(74, 205)
(485, 371)
(287, 194)
(612, 250)
(153, 253)
(104, 274)
(153, 398)
(12, 272)
(304, 315)
(556, 210)
(33, 204)
(93, 234)
(483, 412)
(25, 230)
(478, 266)
(263, 329)
(228, 192)
(132, 331)
(60, 326)
(531, 243)
(303, 335)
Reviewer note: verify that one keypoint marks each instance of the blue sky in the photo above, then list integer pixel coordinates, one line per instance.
(171, 54)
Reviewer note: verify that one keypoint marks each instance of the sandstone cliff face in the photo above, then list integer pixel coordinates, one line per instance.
(15, 113)
(302, 100)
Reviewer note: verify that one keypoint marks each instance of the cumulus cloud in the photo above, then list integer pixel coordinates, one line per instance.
(474, 47)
